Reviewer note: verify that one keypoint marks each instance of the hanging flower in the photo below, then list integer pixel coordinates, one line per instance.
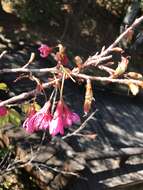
(44, 50)
(38, 120)
(57, 125)
(63, 118)
(70, 117)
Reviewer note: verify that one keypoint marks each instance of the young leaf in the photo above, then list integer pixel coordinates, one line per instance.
(37, 106)
(121, 68)
(134, 89)
(26, 107)
(134, 75)
(14, 117)
(3, 86)
(4, 120)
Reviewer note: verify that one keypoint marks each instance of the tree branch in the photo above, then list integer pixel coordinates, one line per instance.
(26, 70)
(25, 95)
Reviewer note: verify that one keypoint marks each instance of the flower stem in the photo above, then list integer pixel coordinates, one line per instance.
(62, 86)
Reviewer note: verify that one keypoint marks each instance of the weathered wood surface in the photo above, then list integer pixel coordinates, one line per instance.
(118, 125)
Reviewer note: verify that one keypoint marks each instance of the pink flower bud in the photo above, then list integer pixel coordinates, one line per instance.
(44, 50)
(39, 120)
(3, 111)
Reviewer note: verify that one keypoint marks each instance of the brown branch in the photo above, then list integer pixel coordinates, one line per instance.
(83, 125)
(96, 61)
(25, 95)
(26, 70)
(114, 44)
(107, 69)
(107, 79)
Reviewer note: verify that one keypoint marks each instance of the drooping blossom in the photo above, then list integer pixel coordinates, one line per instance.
(38, 120)
(62, 58)
(57, 125)
(3, 111)
(63, 118)
(44, 50)
(70, 117)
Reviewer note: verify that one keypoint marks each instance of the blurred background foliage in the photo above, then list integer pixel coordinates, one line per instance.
(77, 21)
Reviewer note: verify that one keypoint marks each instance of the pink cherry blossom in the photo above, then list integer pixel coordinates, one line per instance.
(44, 50)
(3, 111)
(39, 120)
(70, 117)
(63, 118)
(57, 125)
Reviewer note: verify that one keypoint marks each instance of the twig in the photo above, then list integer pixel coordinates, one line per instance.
(107, 69)
(83, 125)
(96, 60)
(32, 57)
(114, 44)
(3, 53)
(106, 79)
(38, 165)
(25, 95)
(26, 70)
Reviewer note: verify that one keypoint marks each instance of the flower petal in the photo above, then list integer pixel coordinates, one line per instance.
(44, 50)
(3, 111)
(56, 126)
(75, 118)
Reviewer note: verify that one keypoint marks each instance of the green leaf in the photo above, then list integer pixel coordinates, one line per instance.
(4, 120)
(37, 106)
(3, 86)
(14, 117)
(134, 89)
(26, 107)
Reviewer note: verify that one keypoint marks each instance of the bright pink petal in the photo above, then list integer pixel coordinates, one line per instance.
(45, 122)
(56, 126)
(45, 108)
(44, 50)
(67, 116)
(3, 111)
(75, 118)
(39, 120)
(29, 125)
(67, 121)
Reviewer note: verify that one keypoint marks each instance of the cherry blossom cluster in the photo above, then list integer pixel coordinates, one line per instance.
(55, 123)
